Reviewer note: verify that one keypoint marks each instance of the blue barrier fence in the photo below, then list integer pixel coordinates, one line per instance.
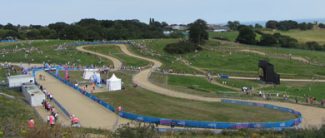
(7, 41)
(200, 124)
(65, 111)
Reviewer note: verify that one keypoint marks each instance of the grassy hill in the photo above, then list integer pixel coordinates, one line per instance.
(39, 51)
(117, 53)
(317, 35)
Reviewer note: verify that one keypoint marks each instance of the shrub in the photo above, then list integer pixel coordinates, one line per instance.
(268, 40)
(314, 46)
(246, 35)
(181, 47)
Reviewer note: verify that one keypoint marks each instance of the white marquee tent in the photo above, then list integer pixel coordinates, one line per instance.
(88, 73)
(114, 83)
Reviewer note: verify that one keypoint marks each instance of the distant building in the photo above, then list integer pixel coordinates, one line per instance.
(180, 27)
(167, 33)
(218, 28)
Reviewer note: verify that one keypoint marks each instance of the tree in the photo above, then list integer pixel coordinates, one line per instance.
(34, 34)
(314, 46)
(198, 32)
(246, 35)
(321, 25)
(286, 41)
(59, 28)
(287, 25)
(271, 24)
(268, 40)
(233, 25)
(258, 26)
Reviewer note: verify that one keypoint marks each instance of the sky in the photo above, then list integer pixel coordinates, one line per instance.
(43, 12)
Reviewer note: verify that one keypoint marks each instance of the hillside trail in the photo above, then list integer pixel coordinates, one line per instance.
(312, 116)
(291, 57)
(117, 63)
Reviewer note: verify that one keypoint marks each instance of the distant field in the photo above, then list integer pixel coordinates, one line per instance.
(155, 50)
(308, 89)
(305, 36)
(189, 84)
(117, 53)
(231, 36)
(46, 53)
(227, 58)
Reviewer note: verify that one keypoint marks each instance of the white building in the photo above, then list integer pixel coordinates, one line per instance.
(33, 95)
(88, 73)
(19, 80)
(114, 83)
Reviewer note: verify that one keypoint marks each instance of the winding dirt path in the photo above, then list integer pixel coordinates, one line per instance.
(117, 63)
(313, 116)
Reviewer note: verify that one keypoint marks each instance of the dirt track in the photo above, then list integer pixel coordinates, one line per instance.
(117, 63)
(313, 116)
(91, 114)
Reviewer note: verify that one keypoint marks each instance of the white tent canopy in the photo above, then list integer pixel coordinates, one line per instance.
(88, 73)
(114, 83)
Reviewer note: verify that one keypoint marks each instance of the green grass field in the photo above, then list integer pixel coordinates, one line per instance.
(155, 50)
(300, 89)
(192, 85)
(227, 58)
(141, 101)
(230, 36)
(48, 54)
(117, 53)
(317, 35)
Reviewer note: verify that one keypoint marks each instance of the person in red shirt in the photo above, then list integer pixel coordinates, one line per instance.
(31, 123)
(51, 120)
(75, 122)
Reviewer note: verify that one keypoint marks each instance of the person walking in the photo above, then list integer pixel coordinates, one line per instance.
(51, 120)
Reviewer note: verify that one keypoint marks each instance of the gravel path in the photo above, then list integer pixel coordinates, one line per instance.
(91, 114)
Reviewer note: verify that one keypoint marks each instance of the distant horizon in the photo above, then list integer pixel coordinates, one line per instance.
(43, 12)
(261, 22)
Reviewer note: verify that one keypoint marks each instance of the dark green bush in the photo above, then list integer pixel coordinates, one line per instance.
(181, 47)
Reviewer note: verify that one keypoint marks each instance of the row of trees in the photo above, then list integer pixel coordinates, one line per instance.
(247, 35)
(288, 25)
(86, 29)
(280, 25)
